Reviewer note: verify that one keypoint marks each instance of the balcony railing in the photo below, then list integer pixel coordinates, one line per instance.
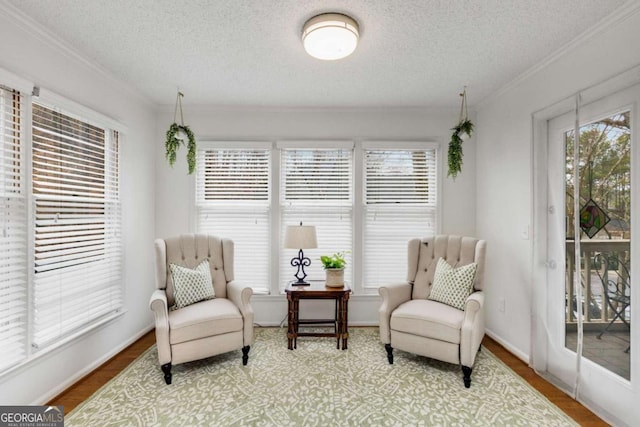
(595, 309)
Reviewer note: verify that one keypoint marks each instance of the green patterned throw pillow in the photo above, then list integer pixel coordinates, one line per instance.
(191, 286)
(452, 286)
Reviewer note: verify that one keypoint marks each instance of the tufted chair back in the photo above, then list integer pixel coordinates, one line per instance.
(423, 255)
(189, 250)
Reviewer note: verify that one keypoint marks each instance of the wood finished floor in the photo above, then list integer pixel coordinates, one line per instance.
(88, 385)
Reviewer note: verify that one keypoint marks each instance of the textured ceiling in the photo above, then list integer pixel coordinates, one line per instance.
(243, 53)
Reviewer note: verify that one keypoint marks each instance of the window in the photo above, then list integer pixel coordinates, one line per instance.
(76, 207)
(233, 201)
(366, 199)
(61, 249)
(13, 249)
(316, 188)
(400, 196)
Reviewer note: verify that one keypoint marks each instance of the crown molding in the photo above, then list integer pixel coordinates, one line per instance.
(44, 35)
(216, 108)
(619, 15)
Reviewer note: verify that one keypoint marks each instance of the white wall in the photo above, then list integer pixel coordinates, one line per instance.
(504, 170)
(173, 197)
(30, 54)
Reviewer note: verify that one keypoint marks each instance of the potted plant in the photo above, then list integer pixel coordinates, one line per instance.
(464, 127)
(180, 134)
(334, 267)
(176, 136)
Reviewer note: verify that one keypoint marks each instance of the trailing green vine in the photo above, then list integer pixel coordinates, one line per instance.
(455, 146)
(173, 143)
(464, 126)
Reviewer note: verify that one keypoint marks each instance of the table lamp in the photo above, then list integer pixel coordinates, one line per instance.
(300, 237)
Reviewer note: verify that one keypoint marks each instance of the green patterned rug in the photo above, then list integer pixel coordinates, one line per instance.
(317, 385)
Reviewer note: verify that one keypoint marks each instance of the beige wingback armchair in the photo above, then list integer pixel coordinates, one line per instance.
(209, 327)
(411, 322)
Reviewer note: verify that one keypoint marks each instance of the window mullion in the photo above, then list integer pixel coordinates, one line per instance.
(358, 219)
(275, 201)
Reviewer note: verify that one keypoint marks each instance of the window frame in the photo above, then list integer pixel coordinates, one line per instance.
(16, 201)
(194, 207)
(79, 111)
(358, 148)
(69, 109)
(314, 145)
(375, 145)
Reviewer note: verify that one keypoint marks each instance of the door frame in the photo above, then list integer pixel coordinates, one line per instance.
(597, 385)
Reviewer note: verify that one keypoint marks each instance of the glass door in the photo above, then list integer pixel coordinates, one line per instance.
(604, 230)
(586, 338)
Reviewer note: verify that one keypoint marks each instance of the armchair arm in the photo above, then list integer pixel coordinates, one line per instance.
(158, 304)
(472, 328)
(392, 296)
(240, 295)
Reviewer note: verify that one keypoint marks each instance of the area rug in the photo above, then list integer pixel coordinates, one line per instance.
(317, 385)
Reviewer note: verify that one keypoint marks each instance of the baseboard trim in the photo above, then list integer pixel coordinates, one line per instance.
(42, 400)
(516, 352)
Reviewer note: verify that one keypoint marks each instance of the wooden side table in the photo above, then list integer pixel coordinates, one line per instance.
(318, 290)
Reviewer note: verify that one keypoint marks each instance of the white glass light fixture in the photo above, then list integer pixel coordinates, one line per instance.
(330, 36)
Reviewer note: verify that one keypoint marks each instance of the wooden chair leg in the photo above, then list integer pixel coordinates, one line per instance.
(466, 371)
(245, 354)
(389, 353)
(166, 368)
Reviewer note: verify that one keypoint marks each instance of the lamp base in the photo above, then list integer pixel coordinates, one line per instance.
(299, 282)
(301, 261)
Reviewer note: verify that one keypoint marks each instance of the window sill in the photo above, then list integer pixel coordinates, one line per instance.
(37, 355)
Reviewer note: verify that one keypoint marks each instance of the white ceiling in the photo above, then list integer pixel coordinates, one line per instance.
(246, 53)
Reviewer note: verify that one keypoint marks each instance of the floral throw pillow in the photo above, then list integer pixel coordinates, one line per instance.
(191, 285)
(452, 286)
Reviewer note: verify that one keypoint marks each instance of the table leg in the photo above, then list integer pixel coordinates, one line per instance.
(290, 323)
(337, 325)
(345, 321)
(296, 314)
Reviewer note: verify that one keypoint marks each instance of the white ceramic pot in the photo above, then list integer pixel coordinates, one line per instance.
(182, 135)
(335, 277)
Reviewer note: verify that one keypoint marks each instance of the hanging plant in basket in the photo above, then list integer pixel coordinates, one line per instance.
(464, 126)
(176, 136)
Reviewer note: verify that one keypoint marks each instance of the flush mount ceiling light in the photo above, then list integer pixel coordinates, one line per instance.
(330, 36)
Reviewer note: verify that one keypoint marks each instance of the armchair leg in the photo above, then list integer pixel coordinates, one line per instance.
(245, 354)
(466, 372)
(389, 353)
(166, 368)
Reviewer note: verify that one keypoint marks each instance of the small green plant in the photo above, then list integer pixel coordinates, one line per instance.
(455, 146)
(334, 261)
(464, 126)
(173, 143)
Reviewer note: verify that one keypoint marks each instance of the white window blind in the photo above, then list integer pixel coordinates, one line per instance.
(77, 236)
(13, 250)
(316, 188)
(233, 201)
(400, 200)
